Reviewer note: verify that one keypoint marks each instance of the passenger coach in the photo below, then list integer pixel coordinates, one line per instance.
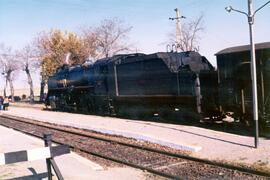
(234, 78)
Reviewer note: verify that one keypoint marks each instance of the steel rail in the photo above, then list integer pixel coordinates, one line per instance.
(163, 174)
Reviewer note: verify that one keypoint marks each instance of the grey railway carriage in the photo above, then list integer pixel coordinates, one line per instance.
(137, 86)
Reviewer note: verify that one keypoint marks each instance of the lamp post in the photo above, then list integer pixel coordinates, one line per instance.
(250, 15)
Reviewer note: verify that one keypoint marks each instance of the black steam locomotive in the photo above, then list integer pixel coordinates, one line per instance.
(164, 85)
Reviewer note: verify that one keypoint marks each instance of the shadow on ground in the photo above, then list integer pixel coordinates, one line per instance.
(35, 176)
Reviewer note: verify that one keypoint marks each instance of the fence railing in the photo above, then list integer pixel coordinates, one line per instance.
(48, 152)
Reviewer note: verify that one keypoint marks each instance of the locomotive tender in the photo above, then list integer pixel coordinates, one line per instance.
(163, 84)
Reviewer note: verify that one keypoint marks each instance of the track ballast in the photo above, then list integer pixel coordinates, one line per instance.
(152, 159)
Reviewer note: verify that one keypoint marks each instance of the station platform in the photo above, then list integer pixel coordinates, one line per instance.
(202, 143)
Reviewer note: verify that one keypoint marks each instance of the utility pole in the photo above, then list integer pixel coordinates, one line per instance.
(178, 32)
(250, 15)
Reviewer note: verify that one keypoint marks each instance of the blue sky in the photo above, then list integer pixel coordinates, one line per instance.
(21, 20)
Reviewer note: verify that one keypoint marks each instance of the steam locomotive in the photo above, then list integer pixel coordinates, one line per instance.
(167, 85)
(163, 84)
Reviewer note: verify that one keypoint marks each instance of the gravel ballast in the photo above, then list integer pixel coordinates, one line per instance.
(214, 145)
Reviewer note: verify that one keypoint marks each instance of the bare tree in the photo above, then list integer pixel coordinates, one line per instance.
(107, 39)
(190, 35)
(90, 43)
(9, 64)
(29, 62)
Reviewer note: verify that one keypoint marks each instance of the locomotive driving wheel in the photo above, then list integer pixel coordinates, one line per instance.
(85, 104)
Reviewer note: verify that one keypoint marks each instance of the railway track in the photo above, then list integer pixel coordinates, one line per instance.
(154, 160)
